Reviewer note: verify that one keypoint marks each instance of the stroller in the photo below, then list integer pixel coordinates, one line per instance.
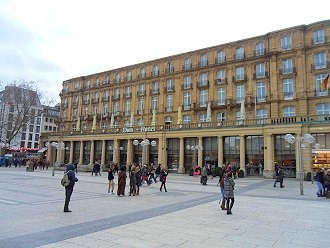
(96, 169)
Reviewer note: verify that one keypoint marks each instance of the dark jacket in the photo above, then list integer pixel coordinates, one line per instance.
(319, 177)
(71, 174)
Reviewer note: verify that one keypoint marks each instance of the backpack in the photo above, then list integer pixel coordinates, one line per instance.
(65, 180)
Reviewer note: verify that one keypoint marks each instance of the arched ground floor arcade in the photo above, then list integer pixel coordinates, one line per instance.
(181, 149)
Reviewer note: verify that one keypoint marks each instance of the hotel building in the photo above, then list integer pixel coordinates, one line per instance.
(230, 103)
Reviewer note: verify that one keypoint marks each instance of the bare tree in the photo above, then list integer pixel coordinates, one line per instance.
(20, 104)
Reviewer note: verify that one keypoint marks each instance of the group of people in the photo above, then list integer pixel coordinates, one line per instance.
(137, 174)
(322, 180)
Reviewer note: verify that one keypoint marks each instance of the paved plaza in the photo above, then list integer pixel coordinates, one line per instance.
(188, 215)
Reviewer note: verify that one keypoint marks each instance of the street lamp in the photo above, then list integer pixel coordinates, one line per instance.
(57, 146)
(194, 149)
(307, 138)
(144, 143)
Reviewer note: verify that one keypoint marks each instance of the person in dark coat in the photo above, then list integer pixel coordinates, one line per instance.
(121, 181)
(138, 179)
(163, 176)
(319, 179)
(279, 175)
(111, 180)
(70, 170)
(229, 185)
(132, 181)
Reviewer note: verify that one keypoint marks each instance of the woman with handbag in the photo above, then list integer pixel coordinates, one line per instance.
(229, 185)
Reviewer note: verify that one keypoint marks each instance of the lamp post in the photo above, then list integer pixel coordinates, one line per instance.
(144, 143)
(194, 149)
(307, 138)
(57, 146)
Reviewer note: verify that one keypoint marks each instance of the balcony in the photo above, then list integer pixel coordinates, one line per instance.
(203, 84)
(286, 71)
(128, 95)
(187, 67)
(115, 97)
(239, 78)
(127, 79)
(239, 56)
(220, 81)
(141, 93)
(203, 63)
(154, 92)
(320, 66)
(87, 101)
(260, 75)
(319, 40)
(141, 75)
(169, 70)
(220, 60)
(169, 89)
(105, 98)
(95, 100)
(259, 52)
(155, 73)
(106, 81)
(186, 87)
(322, 93)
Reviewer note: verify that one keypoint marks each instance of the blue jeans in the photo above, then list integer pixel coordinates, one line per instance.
(319, 188)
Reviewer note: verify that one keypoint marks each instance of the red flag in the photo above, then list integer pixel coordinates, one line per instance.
(324, 84)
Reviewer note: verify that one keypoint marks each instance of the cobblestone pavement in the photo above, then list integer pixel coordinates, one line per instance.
(188, 215)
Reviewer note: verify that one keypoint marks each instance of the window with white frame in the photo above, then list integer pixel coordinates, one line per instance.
(186, 119)
(141, 89)
(104, 124)
(202, 117)
(86, 111)
(260, 48)
(115, 108)
(85, 126)
(240, 73)
(105, 108)
(320, 60)
(117, 93)
(95, 109)
(115, 124)
(221, 116)
(203, 97)
(323, 108)
(289, 111)
(106, 94)
(74, 127)
(142, 72)
(318, 80)
(286, 43)
(155, 70)
(170, 67)
(239, 53)
(87, 84)
(117, 77)
(221, 76)
(288, 88)
(127, 91)
(203, 79)
(168, 120)
(76, 85)
(221, 56)
(87, 98)
(66, 88)
(287, 66)
(129, 75)
(75, 111)
(186, 100)
(155, 87)
(169, 84)
(154, 102)
(260, 70)
(140, 122)
(169, 103)
(127, 108)
(262, 115)
(187, 64)
(203, 60)
(240, 93)
(319, 37)
(96, 96)
(187, 82)
(221, 96)
(141, 105)
(97, 81)
(261, 91)
(76, 100)
(107, 80)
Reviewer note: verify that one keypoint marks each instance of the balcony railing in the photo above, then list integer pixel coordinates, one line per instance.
(128, 95)
(203, 63)
(187, 67)
(169, 70)
(169, 89)
(115, 97)
(154, 92)
(260, 75)
(141, 93)
(259, 52)
(186, 87)
(220, 60)
(288, 70)
(155, 73)
(220, 81)
(239, 78)
(203, 84)
(320, 66)
(105, 98)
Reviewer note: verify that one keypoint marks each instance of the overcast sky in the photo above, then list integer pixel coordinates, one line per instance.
(50, 41)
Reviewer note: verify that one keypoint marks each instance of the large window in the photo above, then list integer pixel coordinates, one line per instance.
(239, 53)
(231, 151)
(260, 70)
(117, 77)
(186, 100)
(287, 66)
(154, 102)
(186, 119)
(202, 117)
(289, 111)
(319, 37)
(187, 82)
(323, 108)
(203, 60)
(141, 106)
(155, 70)
(127, 107)
(261, 92)
(318, 80)
(203, 79)
(286, 43)
(221, 57)
(240, 93)
(240, 73)
(221, 117)
(221, 76)
(262, 115)
(221, 96)
(129, 76)
(288, 88)
(320, 60)
(203, 98)
(169, 84)
(155, 87)
(187, 64)
(169, 103)
(260, 49)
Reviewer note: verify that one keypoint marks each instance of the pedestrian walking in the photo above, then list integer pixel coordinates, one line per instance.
(122, 181)
(163, 176)
(132, 181)
(279, 175)
(70, 170)
(138, 175)
(229, 186)
(204, 175)
(221, 183)
(319, 179)
(111, 180)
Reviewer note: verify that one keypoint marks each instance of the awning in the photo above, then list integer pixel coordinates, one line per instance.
(42, 150)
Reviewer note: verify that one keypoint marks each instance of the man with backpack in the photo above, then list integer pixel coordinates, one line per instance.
(70, 170)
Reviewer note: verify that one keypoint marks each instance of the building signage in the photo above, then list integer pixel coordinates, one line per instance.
(141, 129)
